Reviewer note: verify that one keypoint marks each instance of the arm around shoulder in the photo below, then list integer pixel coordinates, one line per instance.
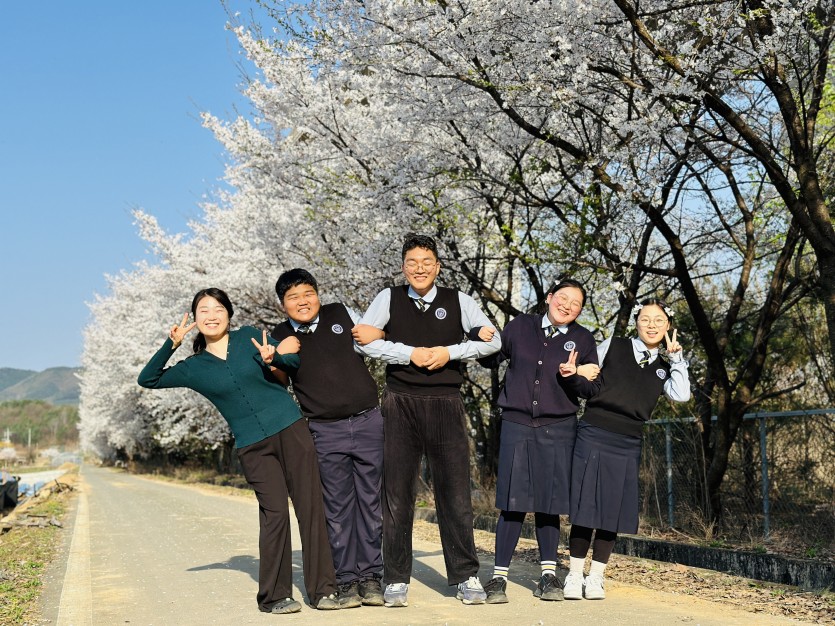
(472, 317)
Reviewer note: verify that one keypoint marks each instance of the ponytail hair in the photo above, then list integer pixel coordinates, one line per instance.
(218, 294)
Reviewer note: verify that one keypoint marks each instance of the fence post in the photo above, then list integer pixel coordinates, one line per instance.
(764, 465)
(668, 436)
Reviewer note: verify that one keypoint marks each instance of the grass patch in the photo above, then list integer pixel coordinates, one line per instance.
(24, 554)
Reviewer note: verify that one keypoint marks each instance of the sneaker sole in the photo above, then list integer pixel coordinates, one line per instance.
(393, 604)
(377, 601)
(350, 604)
(550, 597)
(596, 597)
(460, 596)
(290, 608)
(578, 596)
(496, 599)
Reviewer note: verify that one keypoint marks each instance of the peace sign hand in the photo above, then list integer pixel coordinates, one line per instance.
(673, 345)
(569, 368)
(178, 332)
(266, 349)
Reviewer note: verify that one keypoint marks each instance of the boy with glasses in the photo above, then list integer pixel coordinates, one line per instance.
(425, 328)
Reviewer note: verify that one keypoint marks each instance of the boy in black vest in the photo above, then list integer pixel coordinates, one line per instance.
(425, 327)
(339, 399)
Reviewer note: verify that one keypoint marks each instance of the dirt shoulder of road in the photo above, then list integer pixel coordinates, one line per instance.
(724, 589)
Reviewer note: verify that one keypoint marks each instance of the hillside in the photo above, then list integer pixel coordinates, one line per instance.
(56, 385)
(10, 376)
(41, 423)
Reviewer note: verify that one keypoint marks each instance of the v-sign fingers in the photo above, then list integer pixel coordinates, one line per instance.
(675, 332)
(185, 319)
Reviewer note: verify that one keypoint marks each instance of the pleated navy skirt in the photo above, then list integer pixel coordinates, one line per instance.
(535, 467)
(604, 480)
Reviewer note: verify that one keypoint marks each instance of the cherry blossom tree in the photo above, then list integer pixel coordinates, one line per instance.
(613, 142)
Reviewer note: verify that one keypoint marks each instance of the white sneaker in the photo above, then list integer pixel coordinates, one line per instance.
(395, 594)
(471, 591)
(593, 587)
(573, 586)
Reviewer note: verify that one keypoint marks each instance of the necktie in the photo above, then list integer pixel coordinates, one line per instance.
(551, 331)
(644, 360)
(304, 329)
(421, 304)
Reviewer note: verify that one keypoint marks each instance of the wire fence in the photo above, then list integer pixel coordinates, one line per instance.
(779, 487)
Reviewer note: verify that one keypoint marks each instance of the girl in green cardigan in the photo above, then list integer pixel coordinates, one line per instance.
(233, 370)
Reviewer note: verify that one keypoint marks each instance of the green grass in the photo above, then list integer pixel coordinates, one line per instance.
(24, 554)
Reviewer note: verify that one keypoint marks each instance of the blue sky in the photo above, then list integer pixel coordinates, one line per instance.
(100, 115)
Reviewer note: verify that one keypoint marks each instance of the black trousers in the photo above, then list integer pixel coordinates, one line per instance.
(431, 425)
(279, 466)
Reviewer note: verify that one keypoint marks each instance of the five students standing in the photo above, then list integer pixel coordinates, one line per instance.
(364, 483)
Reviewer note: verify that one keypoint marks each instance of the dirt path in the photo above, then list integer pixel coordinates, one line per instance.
(149, 552)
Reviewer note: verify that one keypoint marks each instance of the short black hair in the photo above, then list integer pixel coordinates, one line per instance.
(569, 282)
(413, 240)
(293, 278)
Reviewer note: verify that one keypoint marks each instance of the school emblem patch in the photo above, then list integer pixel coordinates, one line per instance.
(569, 346)
(440, 313)
(661, 374)
(337, 328)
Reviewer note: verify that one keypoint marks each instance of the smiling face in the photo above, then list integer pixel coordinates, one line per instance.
(564, 305)
(421, 267)
(301, 303)
(212, 318)
(652, 323)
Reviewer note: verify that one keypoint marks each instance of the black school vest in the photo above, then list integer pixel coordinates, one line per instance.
(439, 325)
(332, 381)
(629, 392)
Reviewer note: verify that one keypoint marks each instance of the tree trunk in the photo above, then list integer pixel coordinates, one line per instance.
(827, 289)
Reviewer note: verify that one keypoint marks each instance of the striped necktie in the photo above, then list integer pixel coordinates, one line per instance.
(421, 304)
(551, 331)
(304, 329)
(644, 360)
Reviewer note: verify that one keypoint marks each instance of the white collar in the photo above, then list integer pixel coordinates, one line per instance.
(311, 323)
(638, 349)
(429, 297)
(546, 322)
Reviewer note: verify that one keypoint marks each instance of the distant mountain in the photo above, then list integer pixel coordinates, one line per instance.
(57, 385)
(10, 376)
